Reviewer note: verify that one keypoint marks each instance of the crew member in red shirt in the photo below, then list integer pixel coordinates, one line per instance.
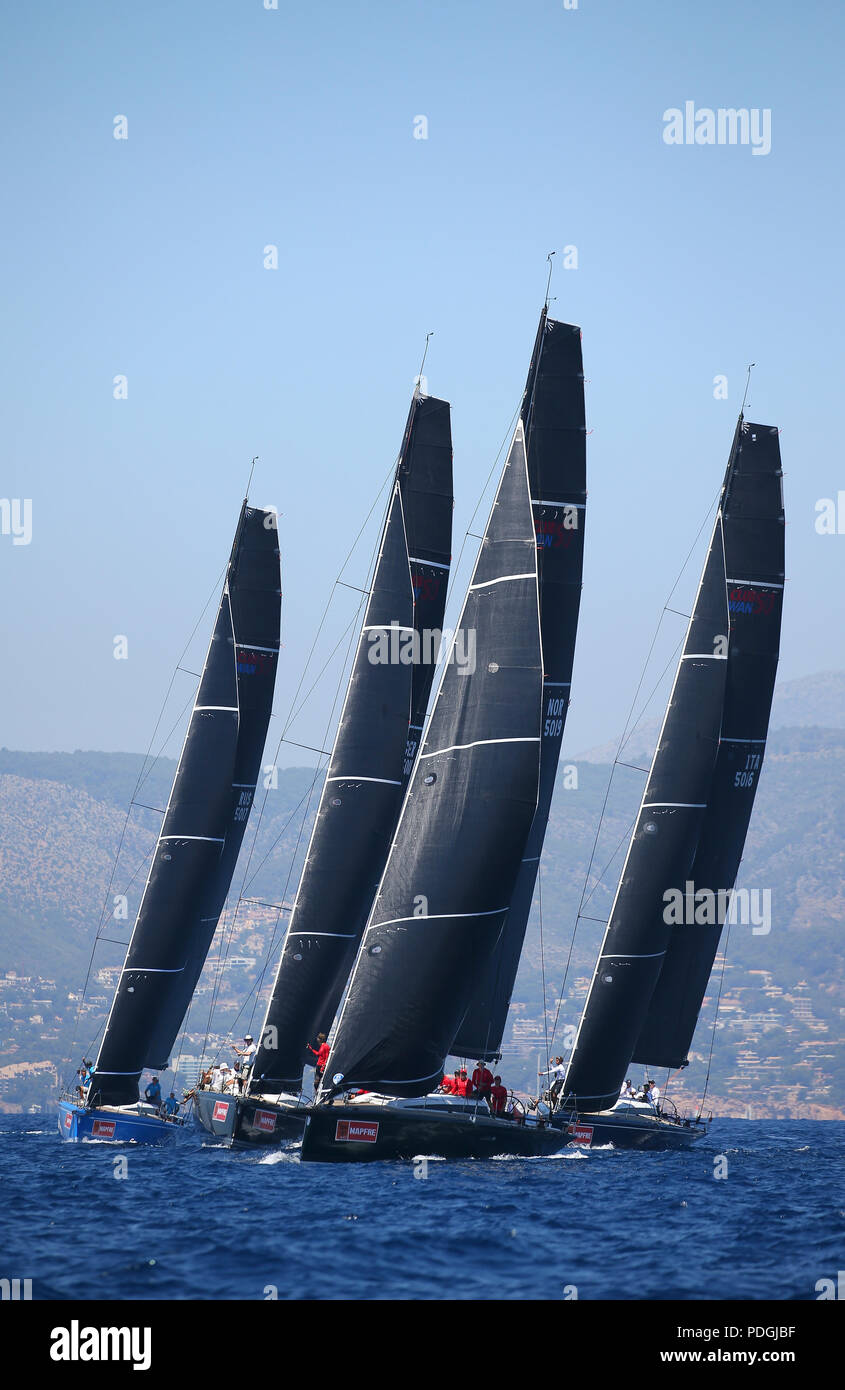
(463, 1087)
(321, 1052)
(498, 1096)
(482, 1079)
(448, 1085)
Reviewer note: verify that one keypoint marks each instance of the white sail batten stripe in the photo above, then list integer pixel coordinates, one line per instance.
(630, 955)
(453, 747)
(563, 684)
(429, 916)
(435, 564)
(344, 935)
(153, 969)
(416, 726)
(532, 859)
(254, 647)
(703, 656)
(742, 740)
(756, 583)
(544, 502)
(503, 579)
(253, 785)
(386, 627)
(211, 839)
(352, 777)
(692, 805)
(231, 709)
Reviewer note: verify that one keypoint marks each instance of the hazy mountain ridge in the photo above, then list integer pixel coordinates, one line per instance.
(62, 816)
(807, 702)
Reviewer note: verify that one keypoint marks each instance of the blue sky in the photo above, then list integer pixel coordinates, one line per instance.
(249, 127)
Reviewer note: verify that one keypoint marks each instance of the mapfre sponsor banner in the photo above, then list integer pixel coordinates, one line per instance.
(265, 1120)
(221, 1109)
(356, 1131)
(582, 1134)
(103, 1129)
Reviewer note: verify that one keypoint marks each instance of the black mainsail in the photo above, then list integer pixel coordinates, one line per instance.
(205, 820)
(373, 753)
(660, 853)
(452, 867)
(555, 438)
(753, 520)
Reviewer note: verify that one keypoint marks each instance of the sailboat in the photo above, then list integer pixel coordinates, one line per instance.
(197, 848)
(374, 752)
(653, 969)
(554, 421)
(437, 945)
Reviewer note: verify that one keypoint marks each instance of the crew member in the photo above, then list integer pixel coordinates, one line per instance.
(654, 1096)
(171, 1106)
(246, 1056)
(321, 1052)
(153, 1092)
(498, 1096)
(463, 1087)
(558, 1071)
(627, 1091)
(482, 1079)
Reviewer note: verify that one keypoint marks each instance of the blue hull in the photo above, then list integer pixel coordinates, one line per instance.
(76, 1123)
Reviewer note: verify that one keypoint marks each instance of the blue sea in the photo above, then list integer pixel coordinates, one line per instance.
(196, 1221)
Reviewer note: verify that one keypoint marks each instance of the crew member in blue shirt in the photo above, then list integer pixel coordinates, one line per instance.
(153, 1092)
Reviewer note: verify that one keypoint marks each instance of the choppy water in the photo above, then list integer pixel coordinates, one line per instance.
(196, 1221)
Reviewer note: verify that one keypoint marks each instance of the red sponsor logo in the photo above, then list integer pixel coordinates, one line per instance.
(221, 1110)
(68, 1119)
(266, 1120)
(582, 1134)
(425, 586)
(103, 1129)
(356, 1131)
(742, 599)
(551, 533)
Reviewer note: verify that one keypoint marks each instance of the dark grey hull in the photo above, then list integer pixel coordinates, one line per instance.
(367, 1133)
(237, 1120)
(627, 1130)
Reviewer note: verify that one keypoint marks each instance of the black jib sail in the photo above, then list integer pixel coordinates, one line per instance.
(453, 863)
(555, 437)
(204, 824)
(660, 853)
(373, 753)
(753, 518)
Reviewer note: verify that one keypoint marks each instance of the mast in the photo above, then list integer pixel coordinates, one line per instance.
(205, 820)
(448, 880)
(753, 519)
(373, 754)
(660, 853)
(553, 416)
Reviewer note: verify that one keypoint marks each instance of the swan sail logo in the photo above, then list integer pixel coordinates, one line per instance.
(727, 125)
